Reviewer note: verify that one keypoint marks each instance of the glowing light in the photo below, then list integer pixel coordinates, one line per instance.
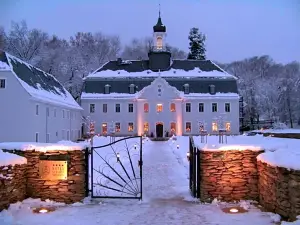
(135, 146)
(234, 210)
(43, 211)
(177, 146)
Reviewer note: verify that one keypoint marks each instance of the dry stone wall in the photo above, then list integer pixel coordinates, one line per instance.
(12, 184)
(279, 190)
(229, 175)
(67, 191)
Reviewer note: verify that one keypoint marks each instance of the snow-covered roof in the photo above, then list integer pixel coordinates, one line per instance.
(179, 73)
(10, 159)
(39, 84)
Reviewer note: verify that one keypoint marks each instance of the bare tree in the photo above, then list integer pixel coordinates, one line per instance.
(2, 37)
(25, 43)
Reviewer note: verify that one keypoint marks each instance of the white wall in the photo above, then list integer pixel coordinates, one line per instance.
(208, 117)
(123, 117)
(18, 119)
(166, 96)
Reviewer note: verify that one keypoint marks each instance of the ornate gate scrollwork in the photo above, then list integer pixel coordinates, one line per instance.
(116, 169)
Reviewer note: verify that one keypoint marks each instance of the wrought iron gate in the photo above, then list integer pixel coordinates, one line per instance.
(116, 169)
(194, 168)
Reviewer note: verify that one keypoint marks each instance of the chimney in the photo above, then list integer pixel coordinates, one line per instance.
(119, 61)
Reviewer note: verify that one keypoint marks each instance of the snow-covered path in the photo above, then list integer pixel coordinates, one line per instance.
(166, 196)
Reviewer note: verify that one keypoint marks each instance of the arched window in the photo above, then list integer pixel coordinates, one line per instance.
(212, 89)
(159, 42)
(173, 107)
(146, 107)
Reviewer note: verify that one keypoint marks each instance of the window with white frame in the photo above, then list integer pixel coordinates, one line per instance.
(47, 111)
(188, 107)
(36, 137)
(186, 88)
(173, 107)
(130, 107)
(48, 138)
(214, 126)
(63, 113)
(146, 127)
(54, 112)
(173, 127)
(68, 135)
(159, 108)
(72, 134)
(104, 128)
(130, 127)
(188, 127)
(146, 107)
(117, 127)
(201, 107)
(68, 114)
(118, 108)
(227, 107)
(92, 108)
(214, 107)
(56, 133)
(159, 42)
(104, 108)
(131, 89)
(2, 83)
(228, 126)
(36, 109)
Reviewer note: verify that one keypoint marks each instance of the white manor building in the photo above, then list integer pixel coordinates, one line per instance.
(161, 96)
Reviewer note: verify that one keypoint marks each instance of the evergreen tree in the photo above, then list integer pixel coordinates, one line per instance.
(197, 44)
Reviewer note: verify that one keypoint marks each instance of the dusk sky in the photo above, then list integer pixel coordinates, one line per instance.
(235, 29)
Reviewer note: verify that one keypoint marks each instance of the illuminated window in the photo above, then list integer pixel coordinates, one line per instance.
(117, 127)
(173, 128)
(159, 42)
(228, 126)
(130, 127)
(159, 108)
(188, 127)
(173, 107)
(104, 128)
(146, 127)
(214, 126)
(146, 107)
(201, 127)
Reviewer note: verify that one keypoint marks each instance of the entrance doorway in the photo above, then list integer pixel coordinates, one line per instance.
(159, 129)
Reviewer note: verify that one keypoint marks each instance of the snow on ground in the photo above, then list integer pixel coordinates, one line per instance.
(279, 131)
(166, 199)
(11, 159)
(61, 145)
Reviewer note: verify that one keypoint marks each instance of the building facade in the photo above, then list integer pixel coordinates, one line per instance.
(160, 96)
(35, 107)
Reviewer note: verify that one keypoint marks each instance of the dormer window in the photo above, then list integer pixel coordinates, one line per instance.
(131, 89)
(186, 89)
(107, 89)
(212, 89)
(159, 43)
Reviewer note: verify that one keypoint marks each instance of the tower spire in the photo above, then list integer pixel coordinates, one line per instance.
(159, 10)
